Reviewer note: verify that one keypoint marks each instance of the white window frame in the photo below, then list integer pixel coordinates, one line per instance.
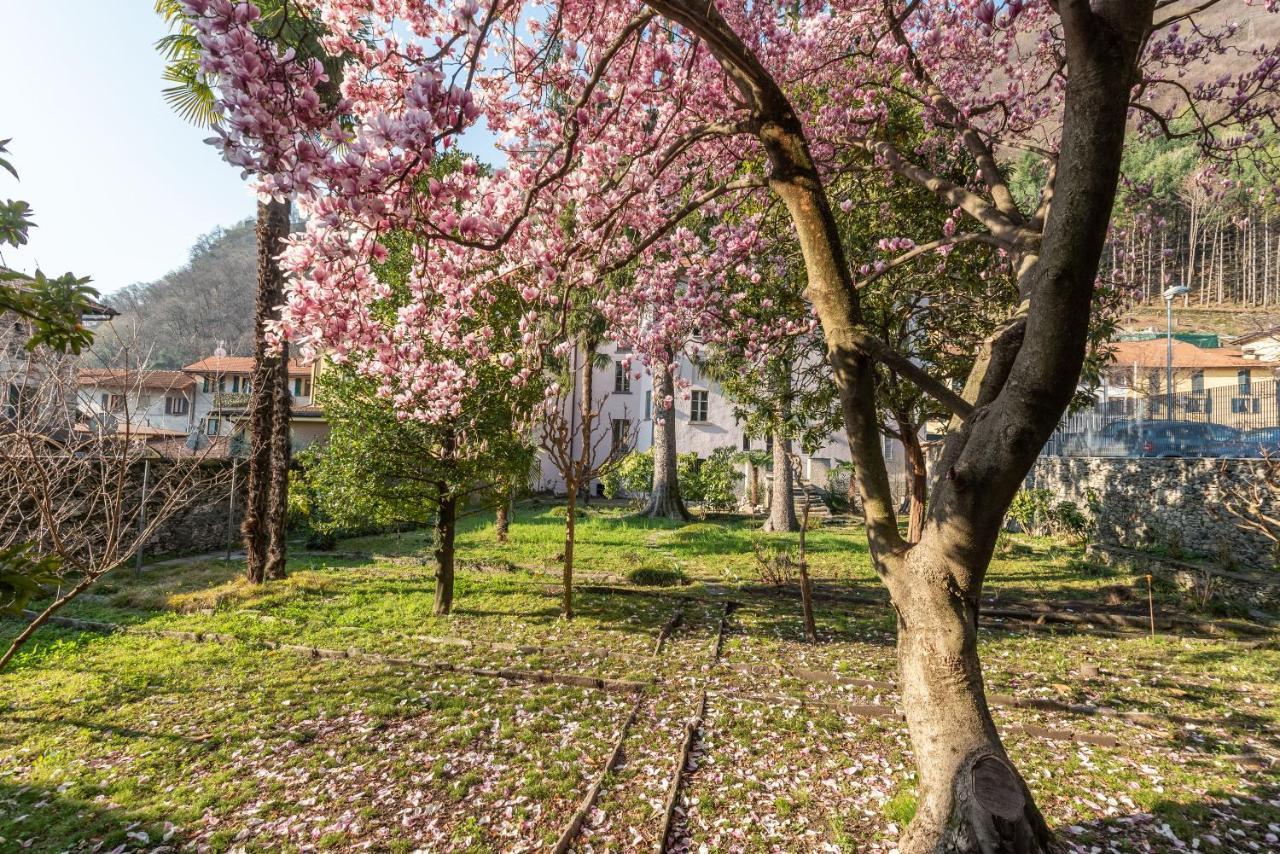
(695, 397)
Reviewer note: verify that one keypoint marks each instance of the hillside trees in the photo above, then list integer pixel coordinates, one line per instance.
(673, 107)
(183, 316)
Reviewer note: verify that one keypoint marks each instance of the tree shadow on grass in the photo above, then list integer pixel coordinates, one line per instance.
(39, 817)
(1238, 820)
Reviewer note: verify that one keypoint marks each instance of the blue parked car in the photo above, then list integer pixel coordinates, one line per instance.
(1263, 442)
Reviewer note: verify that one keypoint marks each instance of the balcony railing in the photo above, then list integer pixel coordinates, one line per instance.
(231, 400)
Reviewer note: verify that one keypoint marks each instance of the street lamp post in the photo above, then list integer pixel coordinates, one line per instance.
(1175, 291)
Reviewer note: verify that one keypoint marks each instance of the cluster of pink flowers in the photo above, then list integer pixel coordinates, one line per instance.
(631, 183)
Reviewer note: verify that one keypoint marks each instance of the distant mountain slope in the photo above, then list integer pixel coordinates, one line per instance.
(181, 318)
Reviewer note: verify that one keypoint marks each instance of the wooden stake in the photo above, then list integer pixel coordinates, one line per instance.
(1151, 606)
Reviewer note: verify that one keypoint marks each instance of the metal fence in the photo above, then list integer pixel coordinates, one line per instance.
(1232, 421)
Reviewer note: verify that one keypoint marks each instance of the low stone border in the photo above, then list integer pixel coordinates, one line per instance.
(724, 619)
(673, 791)
(574, 827)
(666, 630)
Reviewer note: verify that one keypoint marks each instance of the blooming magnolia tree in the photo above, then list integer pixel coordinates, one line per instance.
(621, 119)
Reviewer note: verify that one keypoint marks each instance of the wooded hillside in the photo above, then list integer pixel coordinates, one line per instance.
(181, 318)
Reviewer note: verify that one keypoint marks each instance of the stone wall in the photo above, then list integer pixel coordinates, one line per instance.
(1141, 503)
(201, 527)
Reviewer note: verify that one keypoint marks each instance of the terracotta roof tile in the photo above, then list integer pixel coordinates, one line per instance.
(112, 377)
(1153, 354)
(240, 365)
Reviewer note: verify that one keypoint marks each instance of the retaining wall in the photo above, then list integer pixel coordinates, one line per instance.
(1140, 503)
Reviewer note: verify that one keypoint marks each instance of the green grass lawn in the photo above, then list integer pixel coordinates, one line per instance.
(152, 742)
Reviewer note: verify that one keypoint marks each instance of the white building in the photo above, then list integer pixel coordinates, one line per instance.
(224, 384)
(1263, 346)
(704, 420)
(151, 403)
(206, 399)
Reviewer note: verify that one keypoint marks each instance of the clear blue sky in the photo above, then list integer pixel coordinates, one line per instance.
(120, 186)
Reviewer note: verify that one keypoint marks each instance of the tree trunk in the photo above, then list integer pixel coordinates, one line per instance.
(664, 500)
(587, 415)
(570, 523)
(501, 517)
(782, 508)
(753, 484)
(277, 516)
(264, 515)
(917, 477)
(806, 589)
(971, 798)
(446, 528)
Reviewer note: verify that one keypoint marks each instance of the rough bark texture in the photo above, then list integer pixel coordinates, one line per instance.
(806, 588)
(665, 501)
(266, 485)
(753, 485)
(501, 518)
(782, 507)
(571, 508)
(446, 528)
(917, 478)
(276, 519)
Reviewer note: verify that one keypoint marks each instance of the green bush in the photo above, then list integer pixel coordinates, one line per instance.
(632, 476)
(1036, 514)
(688, 469)
(560, 511)
(718, 478)
(1030, 509)
(1070, 522)
(656, 574)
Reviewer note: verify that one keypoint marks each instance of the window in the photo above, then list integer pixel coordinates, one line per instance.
(176, 404)
(1197, 382)
(621, 379)
(648, 405)
(208, 385)
(698, 406)
(240, 385)
(211, 426)
(888, 448)
(621, 434)
(1243, 405)
(302, 386)
(14, 404)
(1244, 383)
(113, 402)
(746, 442)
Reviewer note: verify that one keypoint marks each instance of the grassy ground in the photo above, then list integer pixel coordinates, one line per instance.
(152, 742)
